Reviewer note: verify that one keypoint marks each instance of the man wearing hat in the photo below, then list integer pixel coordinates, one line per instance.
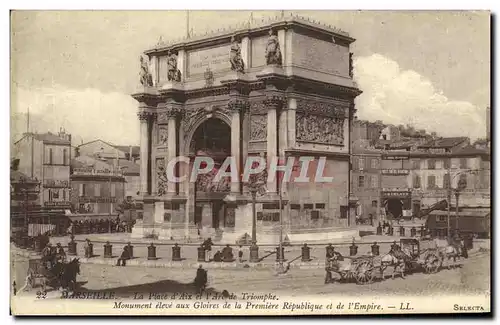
(60, 253)
(47, 255)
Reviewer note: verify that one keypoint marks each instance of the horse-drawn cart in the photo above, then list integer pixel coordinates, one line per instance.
(422, 253)
(38, 273)
(361, 269)
(56, 276)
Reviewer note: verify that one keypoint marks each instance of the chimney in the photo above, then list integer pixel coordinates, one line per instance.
(130, 154)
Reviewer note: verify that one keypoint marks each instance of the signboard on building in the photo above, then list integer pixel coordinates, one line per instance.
(395, 157)
(395, 172)
(96, 172)
(399, 194)
(56, 183)
(97, 199)
(55, 204)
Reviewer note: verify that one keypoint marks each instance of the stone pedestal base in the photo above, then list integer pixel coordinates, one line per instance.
(142, 230)
(181, 232)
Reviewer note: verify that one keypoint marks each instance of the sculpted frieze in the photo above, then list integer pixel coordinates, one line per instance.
(321, 108)
(161, 176)
(258, 108)
(162, 135)
(320, 129)
(258, 127)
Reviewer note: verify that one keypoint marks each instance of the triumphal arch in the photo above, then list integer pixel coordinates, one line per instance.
(281, 88)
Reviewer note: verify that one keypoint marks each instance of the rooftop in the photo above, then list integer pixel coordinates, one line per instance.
(254, 26)
(126, 149)
(16, 177)
(444, 142)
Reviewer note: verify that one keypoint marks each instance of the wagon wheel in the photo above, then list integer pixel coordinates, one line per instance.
(432, 263)
(364, 272)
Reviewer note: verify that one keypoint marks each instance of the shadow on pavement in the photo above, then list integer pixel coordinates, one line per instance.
(163, 286)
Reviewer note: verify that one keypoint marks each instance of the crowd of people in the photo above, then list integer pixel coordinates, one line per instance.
(95, 226)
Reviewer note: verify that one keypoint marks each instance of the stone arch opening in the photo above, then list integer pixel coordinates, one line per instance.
(211, 138)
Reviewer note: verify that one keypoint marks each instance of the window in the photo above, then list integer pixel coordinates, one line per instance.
(374, 163)
(320, 205)
(361, 181)
(431, 164)
(374, 203)
(65, 157)
(463, 163)
(447, 163)
(431, 182)
(343, 211)
(374, 181)
(416, 164)
(416, 181)
(308, 206)
(260, 216)
(50, 156)
(446, 181)
(462, 181)
(295, 206)
(64, 194)
(82, 190)
(361, 163)
(97, 189)
(113, 189)
(441, 218)
(314, 215)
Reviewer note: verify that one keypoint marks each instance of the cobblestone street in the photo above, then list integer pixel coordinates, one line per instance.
(472, 278)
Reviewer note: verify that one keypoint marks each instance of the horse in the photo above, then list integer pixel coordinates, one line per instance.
(69, 273)
(396, 259)
(451, 250)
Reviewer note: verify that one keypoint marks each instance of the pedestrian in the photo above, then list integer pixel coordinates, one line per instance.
(208, 249)
(240, 254)
(123, 257)
(60, 253)
(371, 219)
(88, 248)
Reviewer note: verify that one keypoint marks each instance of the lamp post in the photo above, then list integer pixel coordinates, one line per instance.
(281, 267)
(461, 185)
(254, 187)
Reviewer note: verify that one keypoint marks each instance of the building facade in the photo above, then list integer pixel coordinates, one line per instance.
(97, 187)
(46, 158)
(435, 173)
(107, 150)
(280, 89)
(366, 182)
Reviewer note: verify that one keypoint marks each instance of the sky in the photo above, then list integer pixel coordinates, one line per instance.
(77, 69)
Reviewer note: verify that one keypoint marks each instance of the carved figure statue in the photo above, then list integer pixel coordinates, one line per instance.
(235, 58)
(273, 52)
(173, 73)
(146, 78)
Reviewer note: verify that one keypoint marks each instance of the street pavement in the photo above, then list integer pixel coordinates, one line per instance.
(472, 277)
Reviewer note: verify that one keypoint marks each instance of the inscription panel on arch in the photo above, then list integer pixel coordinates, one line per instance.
(215, 58)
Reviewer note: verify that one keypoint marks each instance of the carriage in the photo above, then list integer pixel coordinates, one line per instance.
(423, 253)
(419, 254)
(60, 275)
(361, 268)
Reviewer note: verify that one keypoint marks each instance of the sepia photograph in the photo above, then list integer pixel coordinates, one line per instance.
(250, 162)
